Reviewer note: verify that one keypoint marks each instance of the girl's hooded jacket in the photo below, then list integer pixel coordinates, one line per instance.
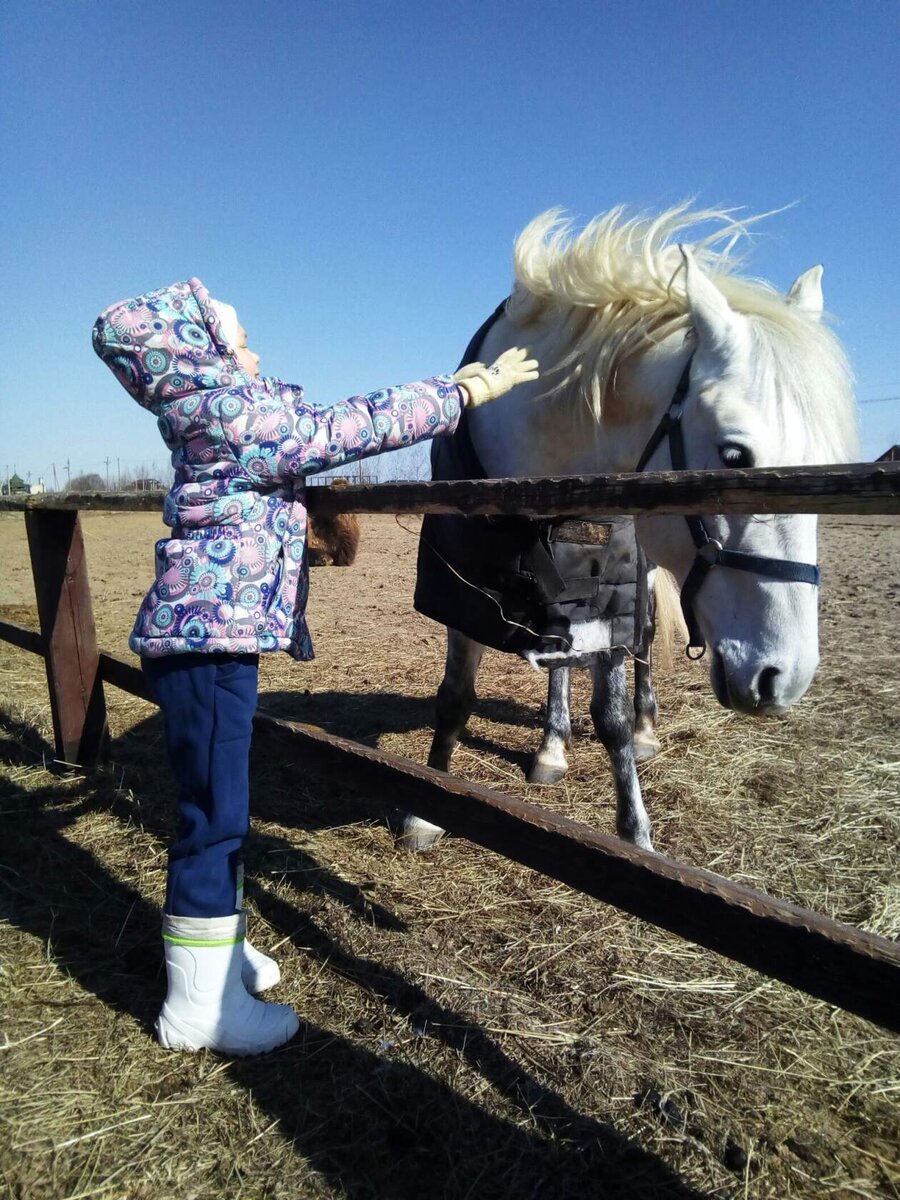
(233, 576)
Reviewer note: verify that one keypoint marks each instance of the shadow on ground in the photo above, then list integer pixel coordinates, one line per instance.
(368, 717)
(374, 1127)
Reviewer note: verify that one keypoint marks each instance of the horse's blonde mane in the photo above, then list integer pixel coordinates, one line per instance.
(617, 287)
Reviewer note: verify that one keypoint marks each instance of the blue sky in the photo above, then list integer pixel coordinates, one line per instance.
(352, 175)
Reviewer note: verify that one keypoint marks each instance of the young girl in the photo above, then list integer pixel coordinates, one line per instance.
(231, 583)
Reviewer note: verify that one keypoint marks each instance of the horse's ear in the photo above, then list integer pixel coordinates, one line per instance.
(806, 293)
(714, 319)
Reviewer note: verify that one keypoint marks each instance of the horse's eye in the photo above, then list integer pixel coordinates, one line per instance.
(733, 455)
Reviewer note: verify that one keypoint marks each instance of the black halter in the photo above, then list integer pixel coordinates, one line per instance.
(711, 553)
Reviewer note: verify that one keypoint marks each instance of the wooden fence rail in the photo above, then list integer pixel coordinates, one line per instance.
(837, 963)
(862, 488)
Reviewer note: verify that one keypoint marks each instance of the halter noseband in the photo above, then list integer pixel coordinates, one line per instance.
(711, 553)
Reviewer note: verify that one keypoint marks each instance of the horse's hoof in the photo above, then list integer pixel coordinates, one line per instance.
(639, 839)
(646, 746)
(545, 773)
(416, 835)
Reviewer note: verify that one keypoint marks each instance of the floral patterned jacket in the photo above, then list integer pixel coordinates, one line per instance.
(233, 575)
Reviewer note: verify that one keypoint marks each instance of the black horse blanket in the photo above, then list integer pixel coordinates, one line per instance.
(519, 584)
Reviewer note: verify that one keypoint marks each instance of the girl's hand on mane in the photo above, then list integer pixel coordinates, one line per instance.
(481, 384)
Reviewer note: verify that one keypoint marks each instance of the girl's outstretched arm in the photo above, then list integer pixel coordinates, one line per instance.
(280, 436)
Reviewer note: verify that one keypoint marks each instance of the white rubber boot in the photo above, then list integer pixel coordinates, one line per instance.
(258, 971)
(207, 1005)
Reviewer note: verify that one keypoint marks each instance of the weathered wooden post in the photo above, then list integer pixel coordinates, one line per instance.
(69, 638)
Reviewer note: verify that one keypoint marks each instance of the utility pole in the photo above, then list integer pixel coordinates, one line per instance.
(55, 484)
(68, 473)
(118, 475)
(107, 462)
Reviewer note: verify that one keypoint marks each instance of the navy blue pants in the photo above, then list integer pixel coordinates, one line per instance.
(207, 702)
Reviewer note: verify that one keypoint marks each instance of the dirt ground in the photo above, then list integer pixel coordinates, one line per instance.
(468, 1027)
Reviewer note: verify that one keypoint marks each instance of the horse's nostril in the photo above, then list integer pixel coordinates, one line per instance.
(766, 684)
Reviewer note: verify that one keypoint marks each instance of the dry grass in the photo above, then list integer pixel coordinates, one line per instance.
(470, 1028)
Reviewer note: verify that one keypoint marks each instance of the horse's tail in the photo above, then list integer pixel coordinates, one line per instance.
(670, 627)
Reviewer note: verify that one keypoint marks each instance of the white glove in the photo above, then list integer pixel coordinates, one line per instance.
(481, 383)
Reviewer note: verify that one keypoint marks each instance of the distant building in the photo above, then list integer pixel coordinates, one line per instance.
(144, 485)
(37, 489)
(892, 455)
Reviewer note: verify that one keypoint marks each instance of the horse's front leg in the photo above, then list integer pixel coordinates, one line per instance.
(455, 701)
(646, 710)
(612, 714)
(549, 765)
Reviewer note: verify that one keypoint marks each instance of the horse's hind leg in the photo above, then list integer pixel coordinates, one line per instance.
(646, 743)
(549, 765)
(611, 713)
(455, 701)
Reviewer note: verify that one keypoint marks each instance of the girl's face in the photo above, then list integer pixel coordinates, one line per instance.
(245, 356)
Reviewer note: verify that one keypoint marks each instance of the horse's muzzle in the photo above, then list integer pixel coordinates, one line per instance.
(762, 694)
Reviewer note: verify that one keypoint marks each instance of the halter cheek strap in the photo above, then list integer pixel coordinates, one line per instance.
(711, 553)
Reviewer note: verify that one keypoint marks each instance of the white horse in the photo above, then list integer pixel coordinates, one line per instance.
(659, 355)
